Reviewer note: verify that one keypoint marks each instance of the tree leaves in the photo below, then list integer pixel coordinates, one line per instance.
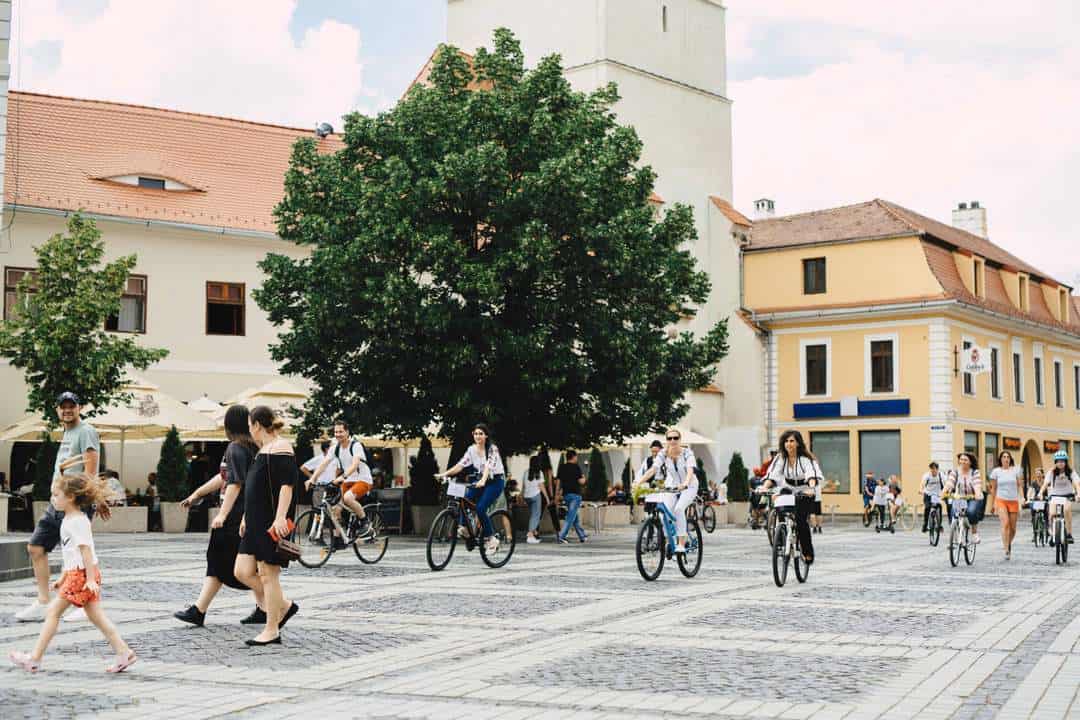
(486, 250)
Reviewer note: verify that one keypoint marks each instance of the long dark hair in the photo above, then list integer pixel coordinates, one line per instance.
(534, 467)
(236, 426)
(488, 444)
(1003, 453)
(971, 459)
(800, 450)
(1067, 472)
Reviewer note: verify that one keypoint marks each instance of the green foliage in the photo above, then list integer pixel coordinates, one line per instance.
(43, 467)
(57, 337)
(486, 251)
(738, 480)
(172, 469)
(596, 486)
(422, 470)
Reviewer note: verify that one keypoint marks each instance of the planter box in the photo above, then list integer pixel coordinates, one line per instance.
(123, 520)
(39, 508)
(3, 514)
(615, 516)
(173, 517)
(423, 516)
(736, 513)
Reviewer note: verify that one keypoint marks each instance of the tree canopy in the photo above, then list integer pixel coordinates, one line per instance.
(57, 333)
(486, 251)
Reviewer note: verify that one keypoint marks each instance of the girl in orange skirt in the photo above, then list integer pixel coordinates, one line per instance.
(80, 584)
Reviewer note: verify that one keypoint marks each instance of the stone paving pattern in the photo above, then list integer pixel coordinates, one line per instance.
(884, 628)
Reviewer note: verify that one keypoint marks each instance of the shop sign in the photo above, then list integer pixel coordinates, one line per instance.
(1050, 446)
(939, 428)
(1011, 443)
(975, 360)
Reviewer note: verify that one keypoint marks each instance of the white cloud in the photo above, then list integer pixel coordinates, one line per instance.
(924, 128)
(233, 58)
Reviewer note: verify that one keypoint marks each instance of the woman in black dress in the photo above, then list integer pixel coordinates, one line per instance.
(269, 490)
(225, 527)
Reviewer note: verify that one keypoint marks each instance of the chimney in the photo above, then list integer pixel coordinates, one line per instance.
(971, 217)
(764, 209)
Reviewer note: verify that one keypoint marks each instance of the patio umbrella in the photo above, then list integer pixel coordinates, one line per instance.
(205, 405)
(689, 437)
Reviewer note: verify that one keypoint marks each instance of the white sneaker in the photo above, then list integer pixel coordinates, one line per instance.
(975, 538)
(462, 532)
(76, 614)
(34, 612)
(492, 545)
(532, 540)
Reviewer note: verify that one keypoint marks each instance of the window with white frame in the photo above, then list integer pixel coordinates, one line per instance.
(1059, 383)
(882, 364)
(1038, 368)
(1018, 371)
(815, 367)
(969, 379)
(995, 371)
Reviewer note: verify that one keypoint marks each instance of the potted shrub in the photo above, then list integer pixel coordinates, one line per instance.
(423, 489)
(738, 489)
(172, 481)
(43, 474)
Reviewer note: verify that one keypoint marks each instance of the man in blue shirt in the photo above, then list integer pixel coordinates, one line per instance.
(869, 486)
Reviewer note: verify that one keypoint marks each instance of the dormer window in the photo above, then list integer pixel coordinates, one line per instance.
(151, 182)
(978, 282)
(1024, 294)
(1063, 305)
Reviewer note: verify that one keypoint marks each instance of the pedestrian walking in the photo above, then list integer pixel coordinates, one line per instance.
(572, 483)
(224, 542)
(269, 493)
(1005, 482)
(153, 499)
(80, 585)
(78, 453)
(534, 494)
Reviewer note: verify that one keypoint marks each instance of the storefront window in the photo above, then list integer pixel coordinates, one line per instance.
(832, 450)
(879, 453)
(971, 442)
(992, 443)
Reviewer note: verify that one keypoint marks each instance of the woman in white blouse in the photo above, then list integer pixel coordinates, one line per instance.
(483, 460)
(676, 466)
(795, 470)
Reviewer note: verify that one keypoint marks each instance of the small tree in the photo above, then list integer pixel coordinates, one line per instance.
(57, 333)
(172, 470)
(422, 471)
(597, 486)
(701, 475)
(43, 467)
(738, 480)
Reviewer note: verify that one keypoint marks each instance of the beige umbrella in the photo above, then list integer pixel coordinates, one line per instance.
(205, 405)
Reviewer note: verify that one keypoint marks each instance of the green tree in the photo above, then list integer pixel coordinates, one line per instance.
(597, 486)
(701, 475)
(486, 251)
(57, 335)
(43, 467)
(738, 480)
(422, 470)
(172, 469)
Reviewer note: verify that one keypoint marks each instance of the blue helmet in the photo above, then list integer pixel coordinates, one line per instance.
(1061, 455)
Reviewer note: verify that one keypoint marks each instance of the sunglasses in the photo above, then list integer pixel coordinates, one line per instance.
(673, 437)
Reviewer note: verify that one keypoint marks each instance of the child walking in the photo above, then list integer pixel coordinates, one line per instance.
(80, 583)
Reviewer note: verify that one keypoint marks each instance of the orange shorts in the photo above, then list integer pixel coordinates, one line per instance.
(1012, 506)
(72, 587)
(359, 488)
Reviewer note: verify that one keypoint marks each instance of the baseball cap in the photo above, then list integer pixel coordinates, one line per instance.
(67, 396)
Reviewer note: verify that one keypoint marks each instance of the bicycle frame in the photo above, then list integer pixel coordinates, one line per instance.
(326, 508)
(668, 518)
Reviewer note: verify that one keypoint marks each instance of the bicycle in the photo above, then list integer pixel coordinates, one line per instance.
(1040, 536)
(1057, 525)
(960, 530)
(652, 550)
(905, 516)
(315, 535)
(460, 514)
(770, 514)
(702, 510)
(933, 520)
(786, 546)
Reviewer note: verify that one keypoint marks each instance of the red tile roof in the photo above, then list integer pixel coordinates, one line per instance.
(730, 212)
(60, 150)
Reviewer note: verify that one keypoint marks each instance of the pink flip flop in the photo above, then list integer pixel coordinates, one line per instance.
(123, 662)
(24, 661)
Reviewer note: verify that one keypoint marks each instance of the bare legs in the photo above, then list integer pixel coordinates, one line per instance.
(94, 612)
(265, 581)
(39, 559)
(1008, 527)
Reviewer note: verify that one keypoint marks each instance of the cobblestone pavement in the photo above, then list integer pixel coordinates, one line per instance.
(883, 628)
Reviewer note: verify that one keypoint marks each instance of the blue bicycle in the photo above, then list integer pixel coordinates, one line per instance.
(656, 540)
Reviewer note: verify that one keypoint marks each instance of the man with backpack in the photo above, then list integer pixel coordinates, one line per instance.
(354, 474)
(647, 463)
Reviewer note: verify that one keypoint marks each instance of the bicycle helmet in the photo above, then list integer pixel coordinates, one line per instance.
(1061, 455)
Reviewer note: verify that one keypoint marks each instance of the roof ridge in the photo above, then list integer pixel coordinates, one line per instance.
(820, 211)
(18, 94)
(889, 208)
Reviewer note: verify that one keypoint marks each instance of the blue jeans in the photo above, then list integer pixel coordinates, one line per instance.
(573, 504)
(975, 509)
(484, 497)
(534, 511)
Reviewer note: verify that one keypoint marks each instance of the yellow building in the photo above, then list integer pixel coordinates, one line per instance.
(866, 311)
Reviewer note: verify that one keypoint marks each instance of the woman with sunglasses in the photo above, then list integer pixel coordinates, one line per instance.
(795, 471)
(484, 461)
(676, 466)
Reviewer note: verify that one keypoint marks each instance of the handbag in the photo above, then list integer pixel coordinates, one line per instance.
(285, 549)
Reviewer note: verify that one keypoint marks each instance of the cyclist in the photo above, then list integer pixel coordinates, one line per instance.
(354, 473)
(677, 466)
(967, 481)
(1062, 481)
(1034, 488)
(485, 462)
(1005, 481)
(793, 470)
(933, 483)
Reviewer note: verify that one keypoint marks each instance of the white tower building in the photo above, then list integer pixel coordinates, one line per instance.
(669, 61)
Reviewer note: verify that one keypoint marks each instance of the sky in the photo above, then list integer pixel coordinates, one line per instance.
(923, 102)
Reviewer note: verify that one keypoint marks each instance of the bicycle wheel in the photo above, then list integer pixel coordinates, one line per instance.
(1039, 536)
(371, 548)
(650, 548)
(690, 561)
(1059, 542)
(954, 545)
(780, 556)
(969, 547)
(906, 517)
(770, 526)
(708, 518)
(315, 536)
(802, 570)
(442, 539)
(935, 526)
(504, 535)
(691, 511)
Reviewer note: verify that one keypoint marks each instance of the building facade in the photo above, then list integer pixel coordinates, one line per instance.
(868, 310)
